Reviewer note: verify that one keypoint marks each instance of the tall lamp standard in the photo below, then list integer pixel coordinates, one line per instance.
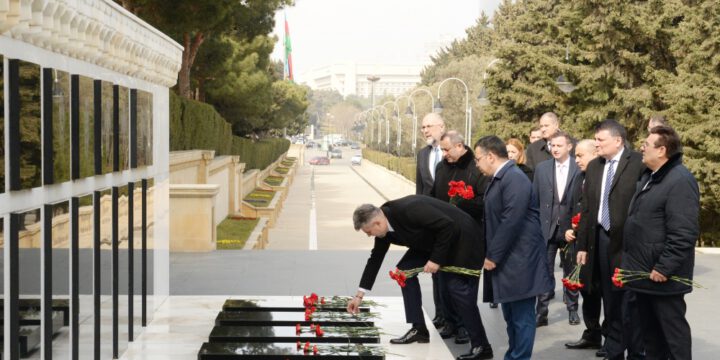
(414, 115)
(377, 114)
(372, 79)
(468, 109)
(387, 125)
(399, 116)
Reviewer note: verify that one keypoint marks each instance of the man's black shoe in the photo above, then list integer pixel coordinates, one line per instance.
(601, 353)
(583, 344)
(478, 352)
(493, 305)
(413, 335)
(541, 321)
(448, 331)
(438, 321)
(462, 336)
(573, 318)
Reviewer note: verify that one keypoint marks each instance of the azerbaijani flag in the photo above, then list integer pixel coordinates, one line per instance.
(288, 53)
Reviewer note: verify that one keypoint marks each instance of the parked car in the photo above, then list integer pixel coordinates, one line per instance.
(320, 160)
(336, 153)
(310, 145)
(355, 146)
(356, 159)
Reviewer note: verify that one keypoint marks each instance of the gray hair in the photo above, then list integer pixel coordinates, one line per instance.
(587, 144)
(552, 116)
(454, 137)
(364, 214)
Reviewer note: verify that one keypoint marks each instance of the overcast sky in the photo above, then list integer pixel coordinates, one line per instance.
(325, 32)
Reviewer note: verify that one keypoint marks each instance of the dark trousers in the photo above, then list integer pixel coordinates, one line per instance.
(569, 297)
(666, 332)
(447, 306)
(591, 306)
(463, 294)
(520, 319)
(620, 308)
(412, 297)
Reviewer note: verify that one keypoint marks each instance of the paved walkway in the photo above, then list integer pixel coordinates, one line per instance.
(335, 266)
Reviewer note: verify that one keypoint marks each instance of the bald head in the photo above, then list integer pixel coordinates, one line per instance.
(433, 126)
(549, 124)
(585, 152)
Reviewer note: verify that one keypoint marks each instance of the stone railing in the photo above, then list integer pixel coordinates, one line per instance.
(96, 31)
(192, 219)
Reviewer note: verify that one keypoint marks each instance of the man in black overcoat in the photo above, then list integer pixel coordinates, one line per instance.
(660, 235)
(459, 165)
(436, 234)
(609, 186)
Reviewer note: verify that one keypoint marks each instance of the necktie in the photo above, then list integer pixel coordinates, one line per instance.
(561, 181)
(605, 214)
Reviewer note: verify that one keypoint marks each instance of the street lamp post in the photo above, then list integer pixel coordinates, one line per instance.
(387, 126)
(372, 79)
(397, 110)
(414, 114)
(468, 109)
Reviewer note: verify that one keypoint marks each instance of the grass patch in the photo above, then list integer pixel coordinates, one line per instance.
(233, 233)
(260, 198)
(282, 170)
(287, 162)
(273, 180)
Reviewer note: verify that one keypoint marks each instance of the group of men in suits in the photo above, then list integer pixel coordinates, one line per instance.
(513, 229)
(604, 189)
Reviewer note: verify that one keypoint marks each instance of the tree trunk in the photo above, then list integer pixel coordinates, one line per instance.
(190, 50)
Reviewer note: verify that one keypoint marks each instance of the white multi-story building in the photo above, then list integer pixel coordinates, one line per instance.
(352, 78)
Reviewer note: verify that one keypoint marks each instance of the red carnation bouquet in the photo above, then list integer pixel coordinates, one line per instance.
(575, 221)
(402, 275)
(572, 282)
(459, 190)
(621, 277)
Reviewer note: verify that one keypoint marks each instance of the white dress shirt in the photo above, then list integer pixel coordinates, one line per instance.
(617, 158)
(561, 176)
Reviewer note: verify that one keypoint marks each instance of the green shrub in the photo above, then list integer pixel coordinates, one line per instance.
(195, 125)
(405, 166)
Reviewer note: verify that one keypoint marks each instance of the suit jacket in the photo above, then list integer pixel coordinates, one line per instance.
(514, 239)
(628, 172)
(447, 234)
(536, 153)
(662, 228)
(423, 179)
(555, 213)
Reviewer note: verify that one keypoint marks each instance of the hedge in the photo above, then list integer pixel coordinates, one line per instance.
(195, 125)
(405, 166)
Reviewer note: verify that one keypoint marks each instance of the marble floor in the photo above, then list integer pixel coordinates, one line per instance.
(183, 323)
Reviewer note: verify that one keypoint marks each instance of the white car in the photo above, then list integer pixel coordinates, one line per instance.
(356, 159)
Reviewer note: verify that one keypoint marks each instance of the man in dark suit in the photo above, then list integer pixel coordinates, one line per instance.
(433, 126)
(539, 150)
(609, 186)
(515, 262)
(553, 182)
(591, 338)
(436, 234)
(458, 165)
(660, 232)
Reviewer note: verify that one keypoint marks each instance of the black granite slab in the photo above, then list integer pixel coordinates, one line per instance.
(30, 331)
(279, 351)
(282, 318)
(289, 334)
(334, 303)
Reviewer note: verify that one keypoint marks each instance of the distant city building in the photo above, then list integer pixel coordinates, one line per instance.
(351, 79)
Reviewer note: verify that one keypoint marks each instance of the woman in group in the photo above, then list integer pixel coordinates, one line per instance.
(516, 151)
